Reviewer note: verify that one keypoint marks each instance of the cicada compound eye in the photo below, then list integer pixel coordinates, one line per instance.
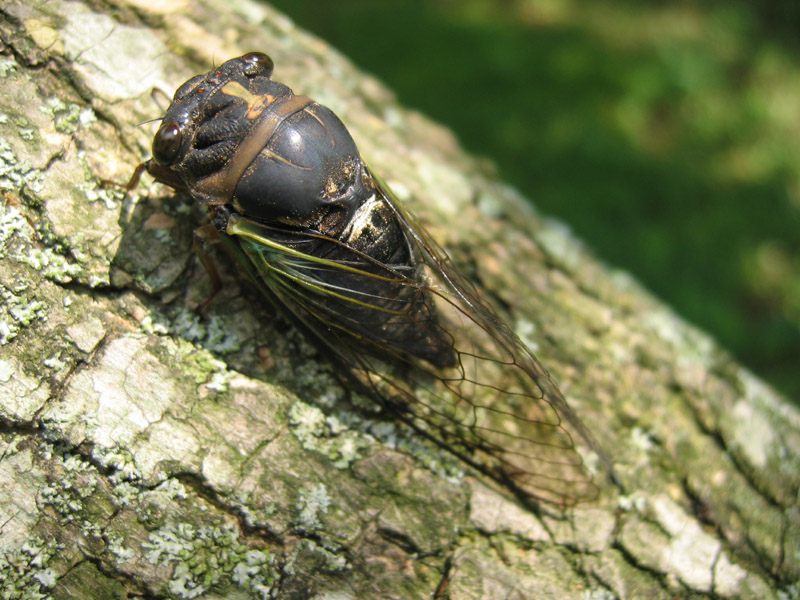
(167, 143)
(257, 63)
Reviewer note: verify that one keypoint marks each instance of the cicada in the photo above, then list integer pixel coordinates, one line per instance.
(322, 237)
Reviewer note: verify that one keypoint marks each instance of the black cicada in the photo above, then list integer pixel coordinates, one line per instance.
(324, 239)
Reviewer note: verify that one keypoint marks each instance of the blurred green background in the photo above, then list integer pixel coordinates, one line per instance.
(666, 133)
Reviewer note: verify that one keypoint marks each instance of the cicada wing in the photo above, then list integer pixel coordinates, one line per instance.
(526, 423)
(461, 294)
(421, 342)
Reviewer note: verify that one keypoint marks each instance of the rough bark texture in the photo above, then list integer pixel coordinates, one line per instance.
(146, 452)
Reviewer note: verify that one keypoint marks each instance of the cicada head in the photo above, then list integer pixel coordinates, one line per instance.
(234, 136)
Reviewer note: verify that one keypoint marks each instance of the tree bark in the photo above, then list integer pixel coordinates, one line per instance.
(145, 451)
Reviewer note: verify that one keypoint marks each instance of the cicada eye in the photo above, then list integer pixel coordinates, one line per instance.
(167, 143)
(257, 63)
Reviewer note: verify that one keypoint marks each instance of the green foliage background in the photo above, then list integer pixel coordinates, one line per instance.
(667, 134)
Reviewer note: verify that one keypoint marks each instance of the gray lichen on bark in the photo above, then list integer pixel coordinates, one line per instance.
(146, 451)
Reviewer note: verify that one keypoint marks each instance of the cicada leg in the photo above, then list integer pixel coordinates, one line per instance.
(203, 237)
(133, 182)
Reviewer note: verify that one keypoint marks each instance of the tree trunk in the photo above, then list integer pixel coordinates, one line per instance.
(145, 451)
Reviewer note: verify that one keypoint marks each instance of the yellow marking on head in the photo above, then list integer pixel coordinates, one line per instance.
(255, 104)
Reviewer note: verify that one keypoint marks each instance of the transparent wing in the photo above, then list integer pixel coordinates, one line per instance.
(421, 342)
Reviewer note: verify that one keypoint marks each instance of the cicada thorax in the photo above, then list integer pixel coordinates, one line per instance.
(244, 145)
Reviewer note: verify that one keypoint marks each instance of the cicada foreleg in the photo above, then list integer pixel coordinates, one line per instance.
(204, 237)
